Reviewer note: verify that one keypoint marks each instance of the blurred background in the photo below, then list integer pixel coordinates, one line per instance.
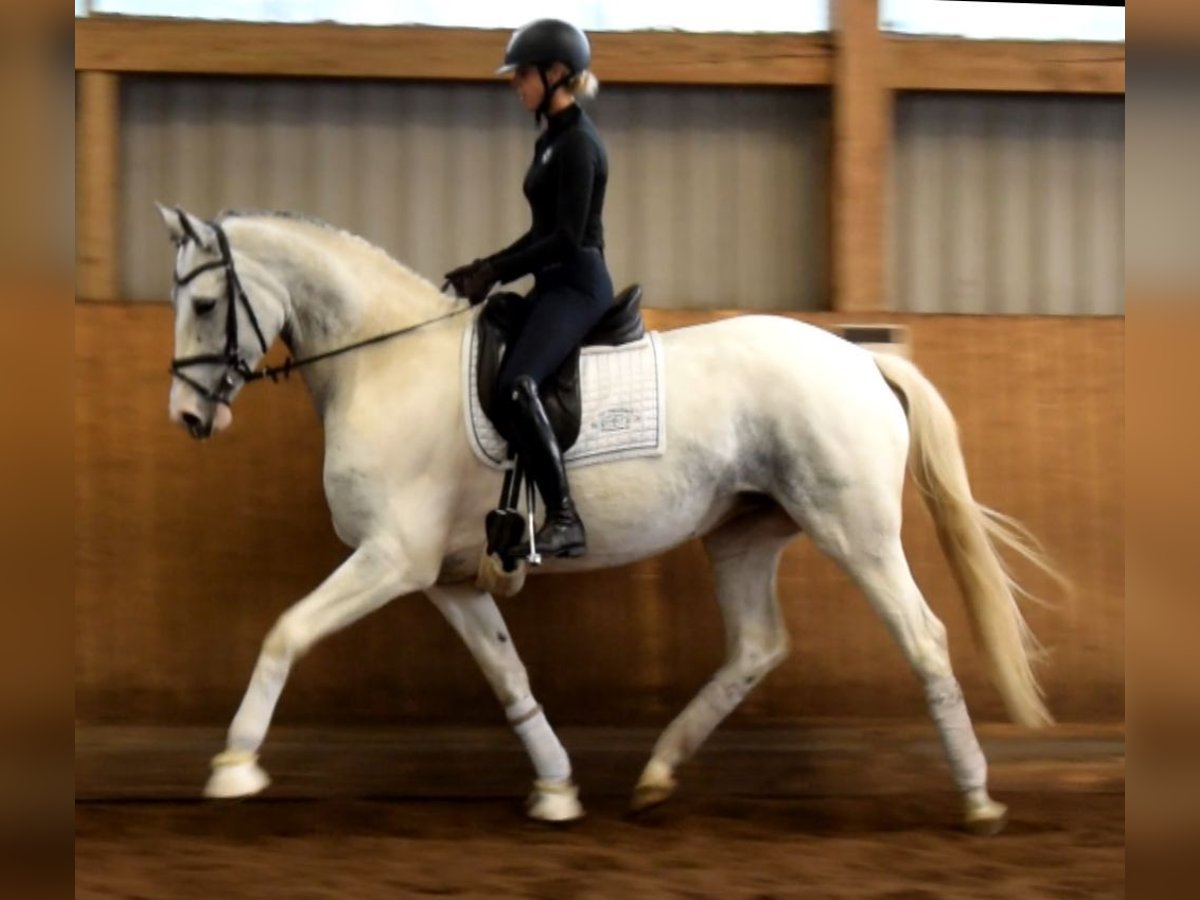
(953, 168)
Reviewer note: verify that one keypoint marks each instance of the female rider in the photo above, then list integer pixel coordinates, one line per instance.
(564, 250)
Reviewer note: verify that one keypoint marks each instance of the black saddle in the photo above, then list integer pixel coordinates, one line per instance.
(622, 324)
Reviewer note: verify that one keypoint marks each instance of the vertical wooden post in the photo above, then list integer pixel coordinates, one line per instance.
(97, 137)
(862, 129)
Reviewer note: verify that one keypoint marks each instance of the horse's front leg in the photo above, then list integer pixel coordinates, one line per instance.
(374, 574)
(476, 618)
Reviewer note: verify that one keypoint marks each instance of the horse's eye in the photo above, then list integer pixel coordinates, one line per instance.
(203, 306)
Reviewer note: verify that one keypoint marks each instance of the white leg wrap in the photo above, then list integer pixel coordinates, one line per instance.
(550, 760)
(949, 713)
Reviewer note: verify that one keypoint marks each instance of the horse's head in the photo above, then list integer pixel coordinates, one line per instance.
(228, 310)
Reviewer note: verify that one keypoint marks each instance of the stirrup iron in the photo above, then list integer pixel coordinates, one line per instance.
(534, 558)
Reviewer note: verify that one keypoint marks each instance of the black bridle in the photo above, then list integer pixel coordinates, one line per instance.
(231, 358)
(236, 365)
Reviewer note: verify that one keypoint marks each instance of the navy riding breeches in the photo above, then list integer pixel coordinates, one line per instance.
(567, 302)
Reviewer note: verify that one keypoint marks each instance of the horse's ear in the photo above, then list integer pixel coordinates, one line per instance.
(171, 220)
(182, 226)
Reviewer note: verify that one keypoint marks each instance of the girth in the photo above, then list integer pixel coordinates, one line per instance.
(560, 394)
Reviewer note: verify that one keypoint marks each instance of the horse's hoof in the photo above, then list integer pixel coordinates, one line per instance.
(551, 802)
(985, 818)
(647, 797)
(655, 787)
(235, 776)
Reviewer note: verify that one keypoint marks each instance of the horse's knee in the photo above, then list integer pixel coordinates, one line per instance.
(287, 639)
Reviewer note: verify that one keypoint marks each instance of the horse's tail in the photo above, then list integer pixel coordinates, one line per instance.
(970, 534)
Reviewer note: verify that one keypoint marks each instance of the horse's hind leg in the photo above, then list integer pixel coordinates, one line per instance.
(476, 618)
(863, 535)
(745, 554)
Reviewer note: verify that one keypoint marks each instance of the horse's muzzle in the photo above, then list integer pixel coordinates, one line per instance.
(201, 418)
(197, 427)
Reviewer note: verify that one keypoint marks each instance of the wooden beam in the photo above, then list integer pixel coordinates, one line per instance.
(733, 59)
(451, 54)
(173, 46)
(862, 129)
(936, 64)
(96, 153)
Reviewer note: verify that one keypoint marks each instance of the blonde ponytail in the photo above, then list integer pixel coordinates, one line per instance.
(584, 84)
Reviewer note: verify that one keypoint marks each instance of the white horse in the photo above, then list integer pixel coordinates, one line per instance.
(774, 428)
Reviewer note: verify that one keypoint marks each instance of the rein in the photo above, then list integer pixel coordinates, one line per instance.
(231, 357)
(290, 364)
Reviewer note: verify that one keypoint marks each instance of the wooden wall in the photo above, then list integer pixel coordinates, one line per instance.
(186, 552)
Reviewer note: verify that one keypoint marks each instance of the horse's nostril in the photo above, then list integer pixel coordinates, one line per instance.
(196, 426)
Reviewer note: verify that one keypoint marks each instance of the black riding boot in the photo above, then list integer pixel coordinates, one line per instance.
(562, 532)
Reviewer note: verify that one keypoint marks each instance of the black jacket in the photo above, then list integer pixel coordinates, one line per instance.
(565, 187)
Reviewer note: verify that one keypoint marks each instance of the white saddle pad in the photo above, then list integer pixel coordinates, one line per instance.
(623, 405)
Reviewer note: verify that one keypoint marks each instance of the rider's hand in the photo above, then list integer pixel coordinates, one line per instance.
(458, 277)
(473, 280)
(479, 282)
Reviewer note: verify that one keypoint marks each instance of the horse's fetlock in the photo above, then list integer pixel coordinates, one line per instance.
(511, 687)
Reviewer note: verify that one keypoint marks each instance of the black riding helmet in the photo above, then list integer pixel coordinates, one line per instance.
(542, 43)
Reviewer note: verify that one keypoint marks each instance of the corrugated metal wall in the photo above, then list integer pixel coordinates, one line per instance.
(717, 197)
(1008, 204)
